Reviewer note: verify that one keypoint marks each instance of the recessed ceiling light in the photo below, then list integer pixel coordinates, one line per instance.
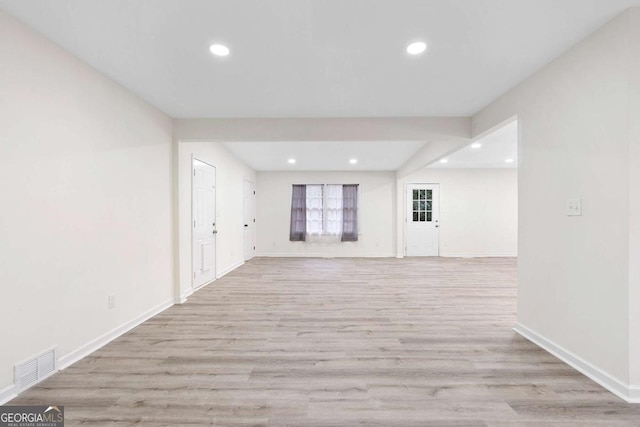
(509, 160)
(292, 161)
(219, 50)
(443, 160)
(353, 161)
(416, 48)
(476, 145)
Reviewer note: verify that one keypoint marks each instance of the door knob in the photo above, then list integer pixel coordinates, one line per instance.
(215, 231)
(246, 225)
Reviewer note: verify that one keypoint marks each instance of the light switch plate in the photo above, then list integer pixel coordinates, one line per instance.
(574, 207)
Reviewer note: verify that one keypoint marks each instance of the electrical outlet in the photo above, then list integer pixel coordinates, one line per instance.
(574, 207)
(112, 302)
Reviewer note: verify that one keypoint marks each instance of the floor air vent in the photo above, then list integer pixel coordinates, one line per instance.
(32, 371)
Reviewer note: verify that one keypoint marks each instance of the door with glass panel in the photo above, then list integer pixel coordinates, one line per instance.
(423, 220)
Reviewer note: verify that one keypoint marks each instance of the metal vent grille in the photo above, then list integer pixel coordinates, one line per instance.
(46, 363)
(33, 370)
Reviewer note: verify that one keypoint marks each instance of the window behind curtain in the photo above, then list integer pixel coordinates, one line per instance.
(324, 212)
(314, 209)
(334, 210)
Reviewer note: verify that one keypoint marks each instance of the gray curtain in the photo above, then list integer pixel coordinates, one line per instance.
(350, 213)
(298, 230)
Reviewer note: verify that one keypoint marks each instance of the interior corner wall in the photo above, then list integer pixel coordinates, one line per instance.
(573, 119)
(85, 178)
(376, 214)
(634, 204)
(478, 210)
(230, 176)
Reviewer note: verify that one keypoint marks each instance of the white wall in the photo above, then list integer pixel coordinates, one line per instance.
(478, 210)
(634, 203)
(574, 122)
(376, 218)
(230, 176)
(85, 179)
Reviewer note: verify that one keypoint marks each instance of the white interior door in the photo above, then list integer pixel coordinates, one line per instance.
(422, 221)
(249, 220)
(204, 223)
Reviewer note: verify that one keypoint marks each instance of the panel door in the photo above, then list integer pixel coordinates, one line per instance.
(204, 223)
(249, 220)
(423, 220)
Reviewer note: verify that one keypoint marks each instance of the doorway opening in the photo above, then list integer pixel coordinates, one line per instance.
(465, 203)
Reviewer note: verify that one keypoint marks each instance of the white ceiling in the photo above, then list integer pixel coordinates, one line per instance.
(495, 148)
(325, 155)
(316, 58)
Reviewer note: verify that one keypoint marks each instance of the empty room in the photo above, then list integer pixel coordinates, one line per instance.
(320, 213)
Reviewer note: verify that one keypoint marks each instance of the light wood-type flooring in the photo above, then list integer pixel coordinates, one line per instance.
(336, 342)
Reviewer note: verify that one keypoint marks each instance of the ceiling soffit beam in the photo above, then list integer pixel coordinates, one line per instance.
(431, 152)
(323, 129)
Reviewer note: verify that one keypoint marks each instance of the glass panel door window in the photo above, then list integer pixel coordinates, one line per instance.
(422, 206)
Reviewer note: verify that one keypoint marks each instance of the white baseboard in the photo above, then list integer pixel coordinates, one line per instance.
(630, 394)
(8, 393)
(230, 269)
(326, 255)
(187, 293)
(490, 255)
(82, 352)
(374, 255)
(184, 296)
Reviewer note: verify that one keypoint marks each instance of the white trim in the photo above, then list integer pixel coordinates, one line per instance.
(326, 255)
(82, 352)
(230, 269)
(188, 292)
(630, 394)
(194, 290)
(183, 298)
(490, 255)
(8, 393)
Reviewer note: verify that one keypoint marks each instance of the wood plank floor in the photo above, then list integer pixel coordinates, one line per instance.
(336, 342)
